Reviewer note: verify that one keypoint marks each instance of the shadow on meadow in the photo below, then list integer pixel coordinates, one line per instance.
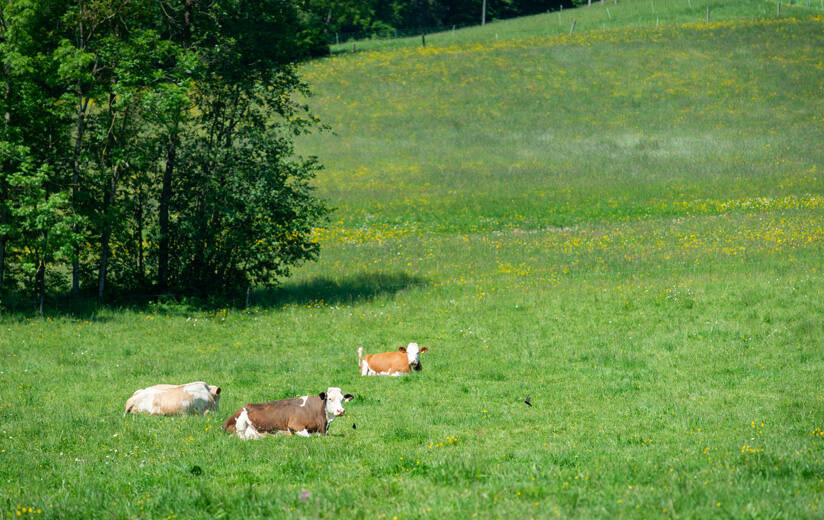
(320, 290)
(329, 291)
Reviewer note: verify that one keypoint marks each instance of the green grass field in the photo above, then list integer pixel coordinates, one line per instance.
(624, 225)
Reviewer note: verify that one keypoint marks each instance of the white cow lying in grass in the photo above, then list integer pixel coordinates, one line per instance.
(192, 398)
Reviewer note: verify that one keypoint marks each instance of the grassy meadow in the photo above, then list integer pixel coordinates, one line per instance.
(625, 225)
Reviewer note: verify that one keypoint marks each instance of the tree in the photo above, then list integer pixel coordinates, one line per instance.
(248, 207)
(44, 218)
(149, 141)
(34, 213)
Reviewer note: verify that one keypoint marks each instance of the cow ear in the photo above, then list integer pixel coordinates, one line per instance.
(423, 350)
(322, 396)
(348, 397)
(217, 391)
(402, 349)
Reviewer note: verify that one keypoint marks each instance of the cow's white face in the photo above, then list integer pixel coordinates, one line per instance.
(334, 402)
(412, 352)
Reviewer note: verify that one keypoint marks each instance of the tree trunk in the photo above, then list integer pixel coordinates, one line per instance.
(187, 22)
(106, 236)
(165, 201)
(141, 262)
(7, 91)
(326, 21)
(40, 282)
(82, 105)
(4, 219)
(4, 215)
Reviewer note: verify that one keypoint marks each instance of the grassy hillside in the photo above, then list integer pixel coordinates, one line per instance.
(624, 225)
(596, 17)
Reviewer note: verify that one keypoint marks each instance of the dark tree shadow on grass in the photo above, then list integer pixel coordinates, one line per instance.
(317, 291)
(328, 291)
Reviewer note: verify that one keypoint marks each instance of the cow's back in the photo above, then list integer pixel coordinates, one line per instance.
(388, 362)
(173, 401)
(164, 399)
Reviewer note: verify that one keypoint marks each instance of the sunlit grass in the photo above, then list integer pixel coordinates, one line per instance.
(625, 226)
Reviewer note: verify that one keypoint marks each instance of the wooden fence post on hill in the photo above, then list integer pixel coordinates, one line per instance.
(572, 28)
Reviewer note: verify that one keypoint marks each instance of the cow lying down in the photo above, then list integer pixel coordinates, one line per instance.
(300, 415)
(398, 363)
(192, 398)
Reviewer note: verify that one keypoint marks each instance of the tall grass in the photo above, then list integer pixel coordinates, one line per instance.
(625, 226)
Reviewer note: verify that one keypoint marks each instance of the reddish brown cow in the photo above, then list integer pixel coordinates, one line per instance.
(391, 363)
(300, 415)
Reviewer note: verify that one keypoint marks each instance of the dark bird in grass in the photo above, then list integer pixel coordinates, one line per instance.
(527, 401)
(353, 426)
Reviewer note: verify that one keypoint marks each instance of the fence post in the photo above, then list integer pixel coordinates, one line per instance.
(778, 13)
(423, 40)
(708, 14)
(572, 28)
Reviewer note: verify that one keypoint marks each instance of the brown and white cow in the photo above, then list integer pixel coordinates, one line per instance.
(191, 398)
(300, 415)
(398, 363)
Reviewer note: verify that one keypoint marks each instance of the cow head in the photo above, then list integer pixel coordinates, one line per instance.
(334, 399)
(215, 391)
(412, 350)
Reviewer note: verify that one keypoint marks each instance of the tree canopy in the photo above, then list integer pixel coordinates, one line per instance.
(382, 16)
(145, 145)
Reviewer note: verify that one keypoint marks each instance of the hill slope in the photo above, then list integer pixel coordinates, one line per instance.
(624, 226)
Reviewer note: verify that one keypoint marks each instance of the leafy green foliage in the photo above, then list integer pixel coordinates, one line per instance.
(383, 17)
(163, 153)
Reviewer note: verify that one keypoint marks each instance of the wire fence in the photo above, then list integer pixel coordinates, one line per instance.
(702, 12)
(393, 34)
